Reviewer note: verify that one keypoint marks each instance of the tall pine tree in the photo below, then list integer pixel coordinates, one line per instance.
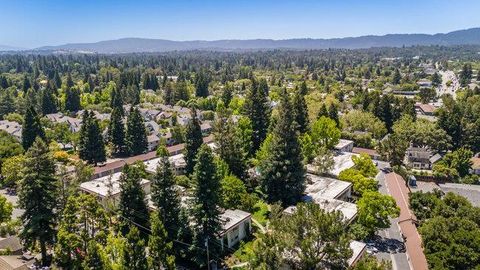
(160, 253)
(257, 108)
(201, 83)
(193, 141)
(206, 200)
(91, 146)
(132, 206)
(300, 109)
(229, 143)
(333, 113)
(136, 136)
(49, 101)
(134, 251)
(72, 99)
(38, 197)
(282, 172)
(32, 128)
(116, 132)
(164, 195)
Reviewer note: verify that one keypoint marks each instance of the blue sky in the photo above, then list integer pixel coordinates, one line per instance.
(33, 23)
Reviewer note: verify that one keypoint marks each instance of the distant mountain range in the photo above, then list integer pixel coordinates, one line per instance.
(10, 48)
(131, 45)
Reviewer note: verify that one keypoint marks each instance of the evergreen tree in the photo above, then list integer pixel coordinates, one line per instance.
(57, 81)
(69, 83)
(207, 198)
(134, 251)
(116, 100)
(72, 100)
(436, 79)
(465, 75)
(257, 109)
(26, 84)
(116, 132)
(31, 128)
(227, 94)
(282, 172)
(201, 84)
(300, 109)
(160, 249)
(93, 259)
(384, 112)
(323, 111)
(193, 141)
(397, 77)
(49, 102)
(229, 144)
(136, 136)
(333, 113)
(132, 206)
(7, 103)
(165, 197)
(38, 198)
(91, 147)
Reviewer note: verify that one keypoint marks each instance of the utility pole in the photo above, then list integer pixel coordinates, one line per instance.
(208, 255)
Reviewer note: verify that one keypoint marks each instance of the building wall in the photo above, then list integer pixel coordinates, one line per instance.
(240, 232)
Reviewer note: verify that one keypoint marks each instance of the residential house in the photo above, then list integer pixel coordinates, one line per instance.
(342, 161)
(177, 161)
(425, 109)
(206, 128)
(424, 83)
(74, 124)
(421, 158)
(371, 152)
(12, 128)
(330, 194)
(236, 226)
(107, 189)
(153, 141)
(16, 262)
(344, 145)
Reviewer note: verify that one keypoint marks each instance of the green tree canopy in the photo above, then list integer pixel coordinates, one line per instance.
(38, 197)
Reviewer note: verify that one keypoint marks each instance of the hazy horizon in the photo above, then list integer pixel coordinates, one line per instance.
(31, 24)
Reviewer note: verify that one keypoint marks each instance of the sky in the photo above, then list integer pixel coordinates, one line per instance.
(35, 23)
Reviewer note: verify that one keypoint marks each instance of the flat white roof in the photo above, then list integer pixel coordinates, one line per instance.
(230, 218)
(348, 210)
(177, 161)
(326, 187)
(342, 143)
(358, 249)
(107, 185)
(343, 160)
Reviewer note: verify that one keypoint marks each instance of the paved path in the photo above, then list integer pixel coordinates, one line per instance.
(399, 191)
(391, 237)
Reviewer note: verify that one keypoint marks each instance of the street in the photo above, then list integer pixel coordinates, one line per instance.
(389, 242)
(443, 88)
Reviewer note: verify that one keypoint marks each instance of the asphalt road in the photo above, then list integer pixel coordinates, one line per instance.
(443, 88)
(388, 243)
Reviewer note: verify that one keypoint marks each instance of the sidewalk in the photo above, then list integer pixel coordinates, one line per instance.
(413, 242)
